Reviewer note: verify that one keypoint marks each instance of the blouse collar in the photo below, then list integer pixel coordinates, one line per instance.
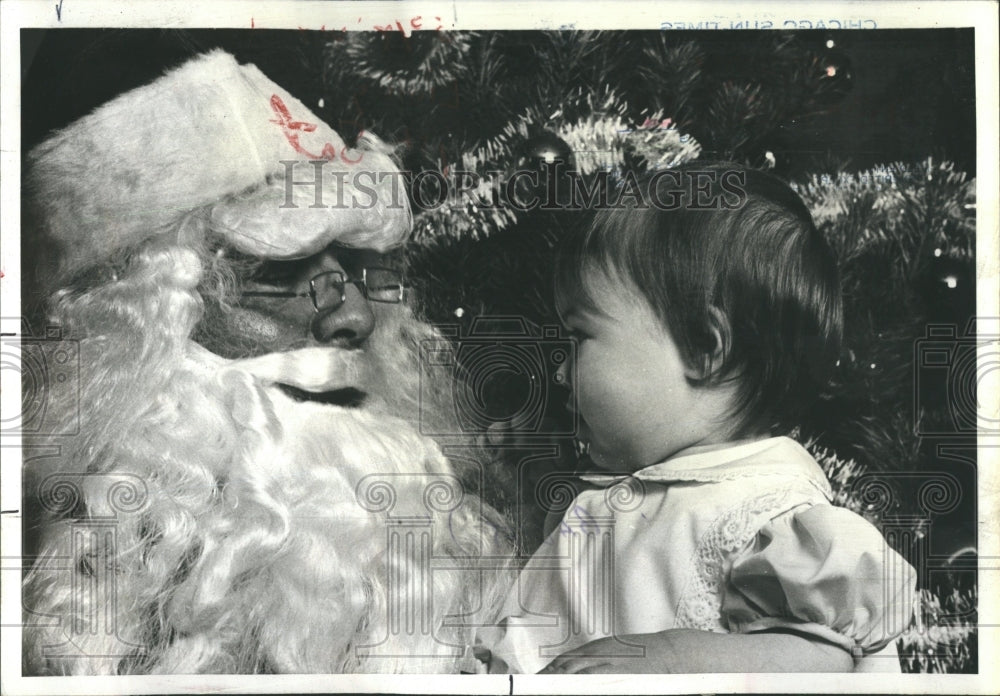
(771, 456)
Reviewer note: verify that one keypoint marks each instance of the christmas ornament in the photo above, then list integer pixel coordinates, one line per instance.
(545, 148)
(947, 288)
(836, 76)
(533, 181)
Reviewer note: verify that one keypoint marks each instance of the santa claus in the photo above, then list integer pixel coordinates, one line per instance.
(247, 488)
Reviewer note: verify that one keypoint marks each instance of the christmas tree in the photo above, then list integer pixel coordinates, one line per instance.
(608, 102)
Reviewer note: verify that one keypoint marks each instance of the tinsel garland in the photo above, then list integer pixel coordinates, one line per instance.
(403, 65)
(600, 141)
(944, 639)
(909, 206)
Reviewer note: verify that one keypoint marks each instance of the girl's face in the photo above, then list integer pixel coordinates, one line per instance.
(629, 382)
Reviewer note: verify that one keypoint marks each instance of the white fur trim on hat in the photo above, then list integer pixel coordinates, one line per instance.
(209, 132)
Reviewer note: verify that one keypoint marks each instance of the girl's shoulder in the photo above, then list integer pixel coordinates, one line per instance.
(823, 570)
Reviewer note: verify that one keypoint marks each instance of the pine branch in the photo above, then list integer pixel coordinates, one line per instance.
(674, 72)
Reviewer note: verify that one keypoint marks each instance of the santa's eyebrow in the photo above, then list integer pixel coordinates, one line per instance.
(358, 257)
(273, 270)
(339, 248)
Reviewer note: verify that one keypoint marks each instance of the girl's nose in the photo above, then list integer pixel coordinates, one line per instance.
(562, 376)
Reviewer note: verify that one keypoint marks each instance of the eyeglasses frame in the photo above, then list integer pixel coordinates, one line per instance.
(360, 283)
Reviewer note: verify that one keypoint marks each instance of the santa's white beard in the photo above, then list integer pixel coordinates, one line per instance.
(264, 534)
(339, 525)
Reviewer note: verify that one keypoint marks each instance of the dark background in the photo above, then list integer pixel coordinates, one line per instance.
(913, 94)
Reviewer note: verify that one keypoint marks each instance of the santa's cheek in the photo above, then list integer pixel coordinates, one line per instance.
(258, 327)
(241, 333)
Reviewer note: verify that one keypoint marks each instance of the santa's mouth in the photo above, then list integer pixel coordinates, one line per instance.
(347, 397)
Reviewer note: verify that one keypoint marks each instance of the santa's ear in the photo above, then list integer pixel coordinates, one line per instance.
(720, 339)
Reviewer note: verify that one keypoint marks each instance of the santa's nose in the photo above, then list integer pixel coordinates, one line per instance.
(348, 325)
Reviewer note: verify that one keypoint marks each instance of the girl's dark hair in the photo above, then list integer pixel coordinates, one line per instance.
(718, 247)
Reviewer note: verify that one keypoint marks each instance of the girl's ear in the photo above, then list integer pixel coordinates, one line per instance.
(721, 343)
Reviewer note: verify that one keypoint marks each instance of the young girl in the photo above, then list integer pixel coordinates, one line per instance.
(707, 317)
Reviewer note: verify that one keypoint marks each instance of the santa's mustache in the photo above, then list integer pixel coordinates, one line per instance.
(323, 374)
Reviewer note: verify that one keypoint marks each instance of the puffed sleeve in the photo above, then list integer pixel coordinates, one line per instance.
(825, 571)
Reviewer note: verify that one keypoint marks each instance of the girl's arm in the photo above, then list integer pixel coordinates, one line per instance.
(688, 650)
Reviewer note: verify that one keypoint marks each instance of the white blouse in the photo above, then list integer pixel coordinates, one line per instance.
(740, 539)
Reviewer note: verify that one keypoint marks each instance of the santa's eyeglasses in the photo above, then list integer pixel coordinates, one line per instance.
(328, 290)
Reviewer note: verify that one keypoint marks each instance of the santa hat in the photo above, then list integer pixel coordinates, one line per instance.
(210, 132)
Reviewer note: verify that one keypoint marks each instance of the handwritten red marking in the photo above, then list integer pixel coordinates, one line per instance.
(650, 124)
(285, 116)
(414, 23)
(404, 26)
(347, 160)
(291, 128)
